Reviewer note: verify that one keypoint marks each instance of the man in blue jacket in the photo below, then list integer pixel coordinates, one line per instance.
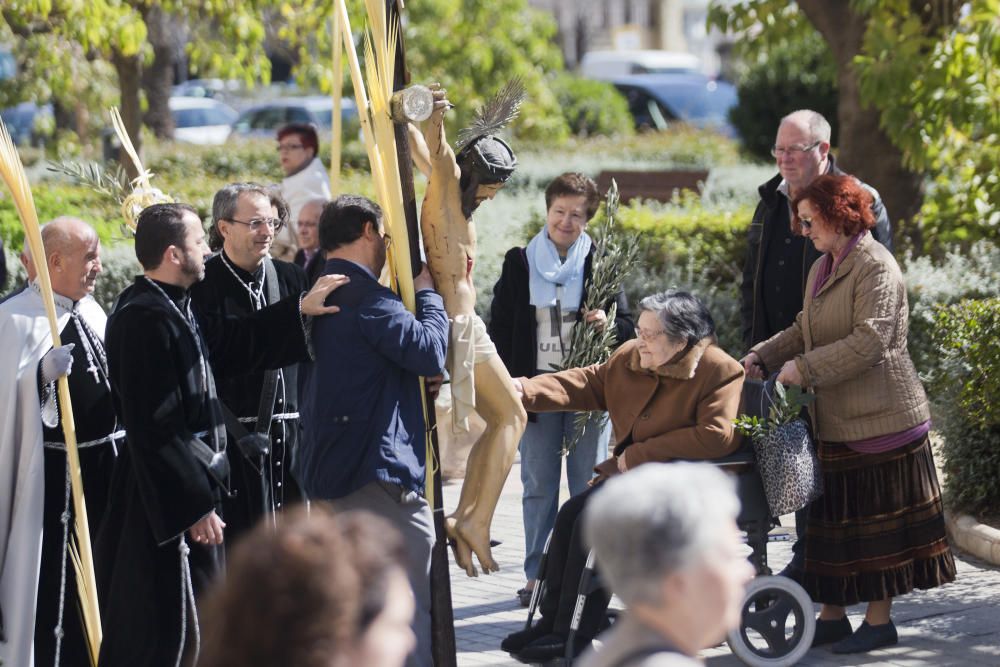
(361, 408)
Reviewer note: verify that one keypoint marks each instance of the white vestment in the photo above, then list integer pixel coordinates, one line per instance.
(25, 337)
(299, 189)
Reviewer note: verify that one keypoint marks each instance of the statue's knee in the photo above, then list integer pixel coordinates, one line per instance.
(519, 417)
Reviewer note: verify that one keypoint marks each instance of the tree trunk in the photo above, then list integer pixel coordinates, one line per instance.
(864, 149)
(129, 70)
(159, 77)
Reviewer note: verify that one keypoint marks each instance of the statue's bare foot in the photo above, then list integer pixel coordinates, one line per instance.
(460, 548)
(476, 537)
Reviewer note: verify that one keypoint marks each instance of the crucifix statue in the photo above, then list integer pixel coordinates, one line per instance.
(457, 185)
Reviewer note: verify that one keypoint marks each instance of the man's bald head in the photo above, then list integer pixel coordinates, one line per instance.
(72, 252)
(813, 123)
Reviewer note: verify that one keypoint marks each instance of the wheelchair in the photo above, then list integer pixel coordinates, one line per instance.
(777, 621)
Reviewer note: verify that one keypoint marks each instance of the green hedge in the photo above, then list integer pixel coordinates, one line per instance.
(966, 394)
(696, 247)
(592, 107)
(55, 199)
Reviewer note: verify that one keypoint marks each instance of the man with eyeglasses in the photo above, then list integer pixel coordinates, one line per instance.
(778, 260)
(305, 179)
(241, 280)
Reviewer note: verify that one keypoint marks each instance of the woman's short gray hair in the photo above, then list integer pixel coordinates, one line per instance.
(658, 519)
(684, 317)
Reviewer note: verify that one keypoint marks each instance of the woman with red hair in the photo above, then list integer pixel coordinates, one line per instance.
(878, 530)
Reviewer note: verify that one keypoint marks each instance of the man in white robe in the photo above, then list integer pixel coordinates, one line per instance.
(29, 432)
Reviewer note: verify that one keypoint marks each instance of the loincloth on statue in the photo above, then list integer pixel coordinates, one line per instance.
(469, 345)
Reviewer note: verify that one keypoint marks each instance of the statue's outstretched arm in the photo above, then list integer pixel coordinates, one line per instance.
(418, 150)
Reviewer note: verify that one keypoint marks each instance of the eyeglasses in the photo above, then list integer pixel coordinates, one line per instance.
(386, 239)
(806, 223)
(649, 335)
(778, 151)
(285, 148)
(274, 223)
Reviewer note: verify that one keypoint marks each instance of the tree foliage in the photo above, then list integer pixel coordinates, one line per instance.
(472, 47)
(797, 73)
(931, 70)
(115, 32)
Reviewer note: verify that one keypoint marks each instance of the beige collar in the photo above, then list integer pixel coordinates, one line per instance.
(678, 369)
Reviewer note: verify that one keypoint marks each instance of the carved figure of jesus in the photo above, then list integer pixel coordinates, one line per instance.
(479, 379)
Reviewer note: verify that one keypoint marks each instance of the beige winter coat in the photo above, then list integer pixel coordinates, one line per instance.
(849, 343)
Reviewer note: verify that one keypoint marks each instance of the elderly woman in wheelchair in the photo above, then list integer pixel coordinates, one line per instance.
(671, 393)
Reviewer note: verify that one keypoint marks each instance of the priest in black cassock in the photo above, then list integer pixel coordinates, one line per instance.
(36, 496)
(161, 541)
(240, 280)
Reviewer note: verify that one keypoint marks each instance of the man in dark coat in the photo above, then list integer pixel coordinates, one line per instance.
(778, 260)
(160, 543)
(238, 282)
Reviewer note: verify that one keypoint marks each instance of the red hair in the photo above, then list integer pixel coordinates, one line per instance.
(306, 133)
(843, 203)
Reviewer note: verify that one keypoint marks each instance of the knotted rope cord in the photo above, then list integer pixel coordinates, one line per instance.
(58, 631)
(187, 597)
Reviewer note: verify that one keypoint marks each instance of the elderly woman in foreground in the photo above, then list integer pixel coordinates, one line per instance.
(878, 530)
(675, 557)
(672, 393)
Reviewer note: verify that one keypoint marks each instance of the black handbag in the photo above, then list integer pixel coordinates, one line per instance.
(785, 456)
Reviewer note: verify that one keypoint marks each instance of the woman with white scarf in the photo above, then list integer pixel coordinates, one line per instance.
(537, 300)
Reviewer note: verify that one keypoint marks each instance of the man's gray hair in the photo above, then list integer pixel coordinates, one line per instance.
(815, 124)
(656, 520)
(226, 199)
(684, 317)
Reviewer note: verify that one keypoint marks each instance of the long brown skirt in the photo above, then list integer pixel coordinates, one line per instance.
(878, 530)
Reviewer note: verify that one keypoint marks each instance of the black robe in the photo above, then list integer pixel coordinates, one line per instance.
(94, 417)
(222, 293)
(159, 489)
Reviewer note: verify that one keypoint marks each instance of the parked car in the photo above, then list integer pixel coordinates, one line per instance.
(201, 120)
(659, 100)
(262, 120)
(609, 65)
(29, 124)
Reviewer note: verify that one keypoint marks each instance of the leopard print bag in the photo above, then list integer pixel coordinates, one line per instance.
(786, 459)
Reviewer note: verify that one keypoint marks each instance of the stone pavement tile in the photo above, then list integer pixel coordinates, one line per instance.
(957, 624)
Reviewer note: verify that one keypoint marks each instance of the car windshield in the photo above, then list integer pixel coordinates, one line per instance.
(700, 103)
(201, 117)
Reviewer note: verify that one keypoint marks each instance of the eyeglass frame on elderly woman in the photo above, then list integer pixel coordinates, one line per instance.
(777, 151)
(276, 224)
(648, 336)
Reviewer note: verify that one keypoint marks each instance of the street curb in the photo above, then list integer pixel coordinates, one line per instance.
(976, 538)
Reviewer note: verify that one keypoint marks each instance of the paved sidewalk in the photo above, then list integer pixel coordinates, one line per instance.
(958, 624)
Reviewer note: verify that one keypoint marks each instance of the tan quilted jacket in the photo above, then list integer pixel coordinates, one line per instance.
(849, 343)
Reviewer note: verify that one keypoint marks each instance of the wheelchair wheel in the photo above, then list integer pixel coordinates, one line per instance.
(777, 625)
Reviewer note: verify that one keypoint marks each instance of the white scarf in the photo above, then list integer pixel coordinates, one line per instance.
(550, 278)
